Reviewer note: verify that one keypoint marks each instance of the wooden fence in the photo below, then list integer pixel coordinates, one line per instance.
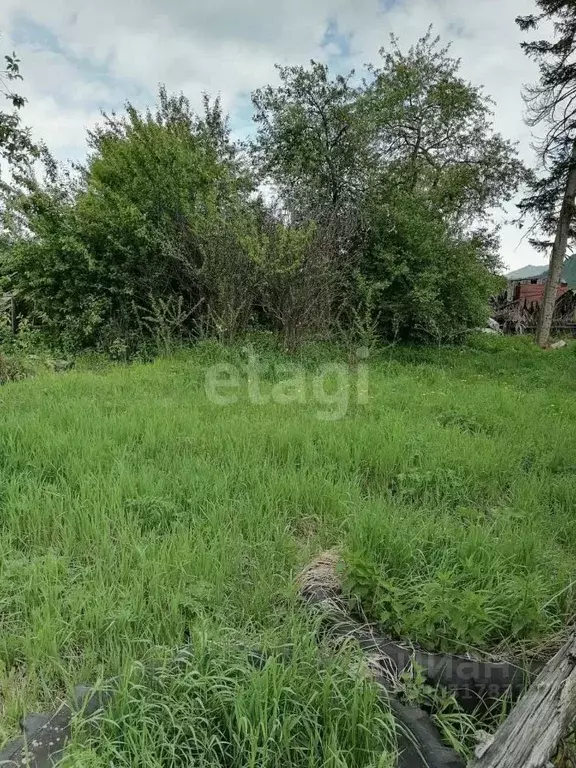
(8, 308)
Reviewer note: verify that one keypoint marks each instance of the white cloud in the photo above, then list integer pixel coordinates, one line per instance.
(111, 50)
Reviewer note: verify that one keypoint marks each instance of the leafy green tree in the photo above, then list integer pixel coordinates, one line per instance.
(432, 284)
(430, 241)
(16, 145)
(433, 134)
(311, 147)
(414, 137)
(309, 141)
(95, 257)
(385, 190)
(552, 105)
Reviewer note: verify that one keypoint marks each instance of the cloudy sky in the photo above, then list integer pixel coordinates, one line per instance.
(81, 56)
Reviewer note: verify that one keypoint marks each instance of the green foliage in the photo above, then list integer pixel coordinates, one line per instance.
(309, 140)
(299, 278)
(434, 133)
(551, 108)
(216, 707)
(464, 581)
(378, 224)
(16, 362)
(12, 369)
(432, 284)
(132, 231)
(135, 512)
(457, 728)
(16, 145)
(230, 246)
(411, 161)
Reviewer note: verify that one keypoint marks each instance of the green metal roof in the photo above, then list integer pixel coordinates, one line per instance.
(526, 273)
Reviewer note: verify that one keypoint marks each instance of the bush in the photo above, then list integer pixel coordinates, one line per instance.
(461, 580)
(158, 239)
(431, 282)
(301, 278)
(13, 369)
(143, 227)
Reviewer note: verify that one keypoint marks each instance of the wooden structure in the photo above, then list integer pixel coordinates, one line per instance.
(8, 307)
(530, 292)
(540, 720)
(519, 316)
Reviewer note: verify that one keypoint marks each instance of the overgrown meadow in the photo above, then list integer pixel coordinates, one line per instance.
(139, 516)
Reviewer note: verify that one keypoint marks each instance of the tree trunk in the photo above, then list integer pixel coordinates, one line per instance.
(558, 254)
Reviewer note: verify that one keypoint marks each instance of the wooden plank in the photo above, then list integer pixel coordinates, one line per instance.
(540, 720)
(8, 305)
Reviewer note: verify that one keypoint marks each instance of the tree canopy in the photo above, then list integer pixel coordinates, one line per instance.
(362, 206)
(16, 145)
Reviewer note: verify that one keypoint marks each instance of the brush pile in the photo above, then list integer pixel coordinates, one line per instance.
(518, 317)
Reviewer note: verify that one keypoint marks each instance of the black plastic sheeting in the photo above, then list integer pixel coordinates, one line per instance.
(44, 736)
(473, 682)
(419, 741)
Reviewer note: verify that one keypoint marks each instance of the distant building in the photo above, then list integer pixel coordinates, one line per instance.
(528, 289)
(530, 292)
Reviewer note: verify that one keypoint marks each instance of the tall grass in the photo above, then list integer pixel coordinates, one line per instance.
(216, 707)
(134, 511)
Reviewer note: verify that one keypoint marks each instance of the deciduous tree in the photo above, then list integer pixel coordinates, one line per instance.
(16, 145)
(433, 133)
(309, 142)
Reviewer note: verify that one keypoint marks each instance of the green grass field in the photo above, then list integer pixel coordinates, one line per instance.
(139, 516)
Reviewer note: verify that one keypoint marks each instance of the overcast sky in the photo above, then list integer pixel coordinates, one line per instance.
(80, 56)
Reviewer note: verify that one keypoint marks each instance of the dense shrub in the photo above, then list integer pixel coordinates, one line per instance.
(12, 368)
(145, 230)
(432, 284)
